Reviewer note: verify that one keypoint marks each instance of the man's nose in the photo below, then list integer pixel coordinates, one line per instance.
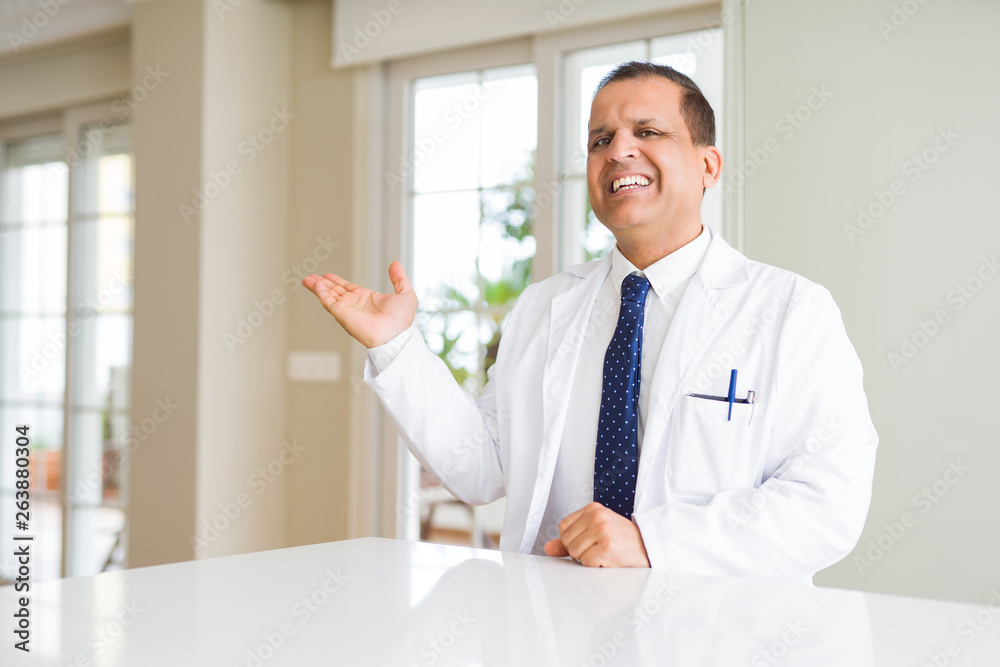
(623, 146)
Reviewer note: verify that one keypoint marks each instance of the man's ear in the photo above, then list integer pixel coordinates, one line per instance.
(712, 162)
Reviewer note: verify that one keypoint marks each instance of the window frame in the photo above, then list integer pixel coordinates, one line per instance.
(74, 120)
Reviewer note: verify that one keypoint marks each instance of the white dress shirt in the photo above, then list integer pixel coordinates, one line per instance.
(573, 482)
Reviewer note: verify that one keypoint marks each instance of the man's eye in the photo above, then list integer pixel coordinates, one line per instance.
(602, 141)
(648, 133)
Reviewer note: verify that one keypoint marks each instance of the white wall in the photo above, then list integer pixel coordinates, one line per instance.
(163, 469)
(892, 97)
(202, 269)
(323, 144)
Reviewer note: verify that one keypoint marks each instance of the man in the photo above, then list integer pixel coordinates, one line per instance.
(673, 404)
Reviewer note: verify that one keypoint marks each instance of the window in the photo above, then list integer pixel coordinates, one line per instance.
(65, 336)
(471, 208)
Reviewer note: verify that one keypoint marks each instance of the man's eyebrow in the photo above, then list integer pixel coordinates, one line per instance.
(631, 121)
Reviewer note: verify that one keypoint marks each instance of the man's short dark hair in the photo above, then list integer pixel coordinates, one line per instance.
(697, 112)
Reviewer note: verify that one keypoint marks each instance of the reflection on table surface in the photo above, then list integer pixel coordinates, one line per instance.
(375, 601)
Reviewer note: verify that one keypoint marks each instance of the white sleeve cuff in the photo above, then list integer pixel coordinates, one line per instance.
(383, 355)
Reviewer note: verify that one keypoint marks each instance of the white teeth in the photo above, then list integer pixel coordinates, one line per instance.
(637, 181)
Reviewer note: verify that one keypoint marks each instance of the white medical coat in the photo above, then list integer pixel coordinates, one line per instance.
(783, 494)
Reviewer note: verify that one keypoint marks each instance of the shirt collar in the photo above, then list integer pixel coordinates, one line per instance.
(666, 273)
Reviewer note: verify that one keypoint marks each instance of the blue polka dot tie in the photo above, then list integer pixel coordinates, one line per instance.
(617, 458)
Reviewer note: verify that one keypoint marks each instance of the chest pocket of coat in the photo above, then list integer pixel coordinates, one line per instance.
(707, 453)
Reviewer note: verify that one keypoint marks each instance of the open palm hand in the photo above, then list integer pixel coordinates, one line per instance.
(369, 316)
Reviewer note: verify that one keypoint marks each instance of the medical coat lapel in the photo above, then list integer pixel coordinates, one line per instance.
(568, 321)
(697, 320)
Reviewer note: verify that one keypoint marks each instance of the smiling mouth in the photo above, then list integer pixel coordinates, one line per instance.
(629, 183)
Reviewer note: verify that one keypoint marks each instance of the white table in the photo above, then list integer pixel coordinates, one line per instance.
(376, 602)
